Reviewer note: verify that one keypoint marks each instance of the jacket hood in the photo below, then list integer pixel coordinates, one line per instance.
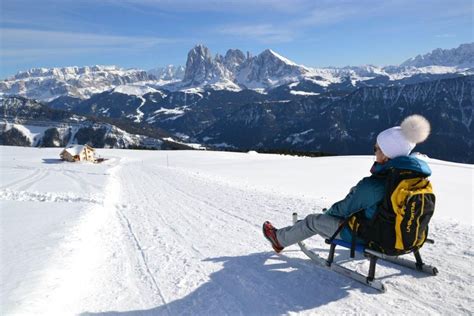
(403, 162)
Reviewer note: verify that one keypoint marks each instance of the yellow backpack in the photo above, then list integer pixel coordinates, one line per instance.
(400, 224)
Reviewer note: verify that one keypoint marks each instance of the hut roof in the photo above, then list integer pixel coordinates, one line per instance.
(76, 149)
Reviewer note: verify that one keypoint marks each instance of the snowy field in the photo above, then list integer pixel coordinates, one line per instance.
(179, 233)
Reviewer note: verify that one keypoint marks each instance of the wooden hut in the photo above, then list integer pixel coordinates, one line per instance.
(78, 153)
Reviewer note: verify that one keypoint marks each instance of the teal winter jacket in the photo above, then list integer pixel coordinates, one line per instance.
(369, 192)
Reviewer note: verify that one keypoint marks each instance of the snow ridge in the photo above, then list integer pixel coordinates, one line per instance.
(11, 195)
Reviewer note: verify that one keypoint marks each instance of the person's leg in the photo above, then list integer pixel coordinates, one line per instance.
(321, 224)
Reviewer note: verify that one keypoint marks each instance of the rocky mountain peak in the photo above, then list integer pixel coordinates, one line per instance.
(268, 52)
(233, 59)
(269, 69)
(199, 52)
(262, 71)
(201, 68)
(272, 55)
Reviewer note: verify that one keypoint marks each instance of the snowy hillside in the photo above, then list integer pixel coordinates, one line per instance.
(29, 123)
(51, 134)
(179, 232)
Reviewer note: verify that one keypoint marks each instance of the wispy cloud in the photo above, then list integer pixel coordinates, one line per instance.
(24, 37)
(330, 14)
(305, 17)
(308, 15)
(264, 33)
(17, 43)
(446, 35)
(228, 6)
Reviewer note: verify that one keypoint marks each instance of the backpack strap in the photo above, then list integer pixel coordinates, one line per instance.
(353, 243)
(352, 223)
(338, 230)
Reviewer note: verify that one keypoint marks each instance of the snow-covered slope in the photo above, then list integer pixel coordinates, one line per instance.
(40, 134)
(173, 233)
(137, 90)
(29, 123)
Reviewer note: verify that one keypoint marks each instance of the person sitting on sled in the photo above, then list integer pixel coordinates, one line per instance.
(392, 150)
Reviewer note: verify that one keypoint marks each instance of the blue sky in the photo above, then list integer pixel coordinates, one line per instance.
(150, 33)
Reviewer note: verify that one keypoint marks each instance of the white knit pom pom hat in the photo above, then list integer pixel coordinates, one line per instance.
(400, 140)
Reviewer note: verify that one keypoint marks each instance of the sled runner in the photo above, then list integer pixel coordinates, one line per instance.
(370, 254)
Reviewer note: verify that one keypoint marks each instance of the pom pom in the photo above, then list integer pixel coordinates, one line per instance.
(416, 128)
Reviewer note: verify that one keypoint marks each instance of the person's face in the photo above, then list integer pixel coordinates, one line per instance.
(379, 156)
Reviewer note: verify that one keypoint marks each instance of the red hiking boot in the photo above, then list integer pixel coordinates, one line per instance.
(270, 233)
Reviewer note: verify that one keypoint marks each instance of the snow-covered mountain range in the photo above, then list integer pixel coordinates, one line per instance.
(168, 73)
(234, 71)
(461, 57)
(81, 82)
(237, 71)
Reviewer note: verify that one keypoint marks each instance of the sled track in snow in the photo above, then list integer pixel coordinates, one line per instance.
(204, 200)
(142, 254)
(170, 226)
(25, 181)
(31, 181)
(80, 182)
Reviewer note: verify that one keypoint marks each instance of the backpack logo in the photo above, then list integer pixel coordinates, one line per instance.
(412, 217)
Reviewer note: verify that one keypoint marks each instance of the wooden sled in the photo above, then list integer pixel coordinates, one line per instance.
(371, 255)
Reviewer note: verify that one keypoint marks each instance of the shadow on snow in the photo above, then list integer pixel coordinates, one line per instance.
(259, 283)
(52, 161)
